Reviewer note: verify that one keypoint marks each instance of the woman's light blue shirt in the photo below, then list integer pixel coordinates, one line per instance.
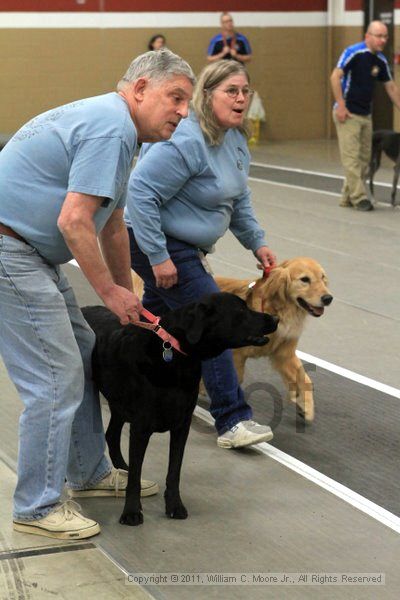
(191, 191)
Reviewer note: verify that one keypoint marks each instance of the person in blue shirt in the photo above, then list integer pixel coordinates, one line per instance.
(229, 44)
(352, 82)
(63, 179)
(183, 195)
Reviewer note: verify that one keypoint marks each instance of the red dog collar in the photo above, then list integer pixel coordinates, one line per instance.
(266, 271)
(162, 333)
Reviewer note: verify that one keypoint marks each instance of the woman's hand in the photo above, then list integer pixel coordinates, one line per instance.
(266, 257)
(166, 274)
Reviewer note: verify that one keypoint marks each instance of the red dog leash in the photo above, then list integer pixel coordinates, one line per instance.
(266, 271)
(168, 340)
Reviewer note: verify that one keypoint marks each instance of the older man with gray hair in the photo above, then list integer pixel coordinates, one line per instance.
(63, 180)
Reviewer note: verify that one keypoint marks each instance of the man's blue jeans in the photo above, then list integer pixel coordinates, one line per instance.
(228, 405)
(46, 346)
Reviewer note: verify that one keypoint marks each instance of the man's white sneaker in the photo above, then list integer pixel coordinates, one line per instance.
(64, 522)
(245, 433)
(114, 484)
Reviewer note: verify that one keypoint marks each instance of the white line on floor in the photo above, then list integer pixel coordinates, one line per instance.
(301, 187)
(296, 187)
(304, 171)
(366, 506)
(294, 170)
(376, 385)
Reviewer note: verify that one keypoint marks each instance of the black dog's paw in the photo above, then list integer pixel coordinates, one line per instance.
(132, 519)
(176, 512)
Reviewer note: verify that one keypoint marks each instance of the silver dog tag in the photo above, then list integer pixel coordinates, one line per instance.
(167, 352)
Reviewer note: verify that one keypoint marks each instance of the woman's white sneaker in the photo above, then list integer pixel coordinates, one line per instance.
(245, 433)
(64, 522)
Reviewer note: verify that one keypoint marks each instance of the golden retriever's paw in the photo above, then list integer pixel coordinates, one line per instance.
(304, 401)
(306, 412)
(309, 407)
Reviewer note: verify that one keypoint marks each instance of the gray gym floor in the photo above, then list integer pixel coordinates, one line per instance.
(321, 499)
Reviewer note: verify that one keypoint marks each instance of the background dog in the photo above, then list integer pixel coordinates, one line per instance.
(293, 290)
(387, 141)
(155, 394)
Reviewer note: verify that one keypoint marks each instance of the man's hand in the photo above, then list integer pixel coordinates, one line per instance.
(213, 58)
(123, 303)
(393, 92)
(266, 257)
(336, 83)
(166, 274)
(342, 113)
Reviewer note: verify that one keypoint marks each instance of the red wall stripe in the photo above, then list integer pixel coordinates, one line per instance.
(162, 5)
(354, 5)
(49, 5)
(359, 4)
(219, 5)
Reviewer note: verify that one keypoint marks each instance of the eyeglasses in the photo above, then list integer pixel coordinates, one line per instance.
(233, 91)
(382, 36)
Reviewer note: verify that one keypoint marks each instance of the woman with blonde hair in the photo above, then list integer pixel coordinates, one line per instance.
(183, 195)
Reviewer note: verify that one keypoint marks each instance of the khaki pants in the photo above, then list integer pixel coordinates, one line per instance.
(355, 137)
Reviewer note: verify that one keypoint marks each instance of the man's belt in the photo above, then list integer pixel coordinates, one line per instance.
(5, 230)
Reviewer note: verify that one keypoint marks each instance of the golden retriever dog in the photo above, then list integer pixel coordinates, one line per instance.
(293, 290)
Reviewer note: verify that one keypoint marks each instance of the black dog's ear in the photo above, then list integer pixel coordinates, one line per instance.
(195, 323)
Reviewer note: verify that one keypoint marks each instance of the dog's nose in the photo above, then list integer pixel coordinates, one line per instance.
(326, 300)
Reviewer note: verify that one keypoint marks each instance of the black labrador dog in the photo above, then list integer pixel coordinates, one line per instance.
(155, 393)
(387, 141)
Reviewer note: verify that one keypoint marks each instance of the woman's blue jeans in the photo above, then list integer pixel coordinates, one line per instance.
(46, 346)
(228, 405)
